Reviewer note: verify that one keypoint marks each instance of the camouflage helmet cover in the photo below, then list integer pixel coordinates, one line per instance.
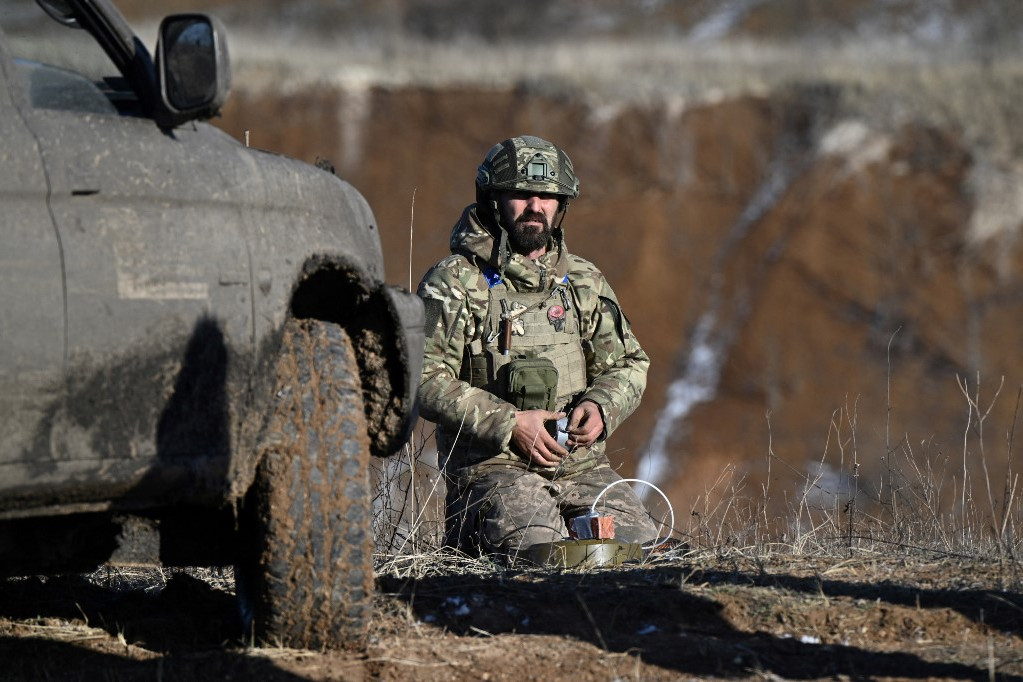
(527, 163)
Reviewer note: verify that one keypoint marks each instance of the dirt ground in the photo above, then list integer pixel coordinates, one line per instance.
(675, 618)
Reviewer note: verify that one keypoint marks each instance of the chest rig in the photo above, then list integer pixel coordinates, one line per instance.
(528, 347)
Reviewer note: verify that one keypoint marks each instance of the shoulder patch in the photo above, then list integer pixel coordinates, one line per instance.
(433, 308)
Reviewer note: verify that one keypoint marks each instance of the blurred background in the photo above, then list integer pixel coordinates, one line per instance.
(810, 210)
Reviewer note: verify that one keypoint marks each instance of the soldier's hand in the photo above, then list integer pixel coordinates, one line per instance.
(585, 424)
(530, 438)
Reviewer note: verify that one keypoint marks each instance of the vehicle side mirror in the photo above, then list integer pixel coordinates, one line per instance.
(192, 66)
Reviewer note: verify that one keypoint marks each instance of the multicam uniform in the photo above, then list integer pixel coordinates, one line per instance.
(561, 309)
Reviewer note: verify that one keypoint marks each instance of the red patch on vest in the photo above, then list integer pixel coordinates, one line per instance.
(555, 313)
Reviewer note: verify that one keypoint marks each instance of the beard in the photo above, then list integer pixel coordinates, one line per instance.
(528, 238)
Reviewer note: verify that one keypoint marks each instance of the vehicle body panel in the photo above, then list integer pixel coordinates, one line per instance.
(32, 295)
(150, 274)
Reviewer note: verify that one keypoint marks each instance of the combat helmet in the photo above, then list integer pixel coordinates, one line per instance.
(520, 163)
(526, 163)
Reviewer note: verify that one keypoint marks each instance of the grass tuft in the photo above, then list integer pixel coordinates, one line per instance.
(925, 502)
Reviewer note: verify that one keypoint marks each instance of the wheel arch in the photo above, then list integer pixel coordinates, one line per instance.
(385, 325)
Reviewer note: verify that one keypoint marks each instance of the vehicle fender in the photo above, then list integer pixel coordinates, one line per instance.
(390, 386)
(385, 324)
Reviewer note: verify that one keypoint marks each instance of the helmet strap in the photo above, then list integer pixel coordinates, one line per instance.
(503, 247)
(562, 210)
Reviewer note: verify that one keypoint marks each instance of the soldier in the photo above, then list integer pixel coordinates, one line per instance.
(520, 334)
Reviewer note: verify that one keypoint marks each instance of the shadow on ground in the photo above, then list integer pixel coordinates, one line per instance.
(186, 630)
(649, 612)
(1000, 609)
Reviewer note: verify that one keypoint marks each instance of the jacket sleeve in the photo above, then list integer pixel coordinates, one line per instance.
(616, 364)
(444, 398)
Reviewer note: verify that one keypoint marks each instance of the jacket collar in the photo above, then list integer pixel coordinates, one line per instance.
(472, 239)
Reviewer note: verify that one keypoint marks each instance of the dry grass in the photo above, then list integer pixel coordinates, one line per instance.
(152, 580)
(924, 502)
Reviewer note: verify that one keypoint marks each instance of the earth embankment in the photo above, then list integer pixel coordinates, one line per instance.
(774, 253)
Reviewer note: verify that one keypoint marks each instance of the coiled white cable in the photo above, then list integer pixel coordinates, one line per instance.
(657, 541)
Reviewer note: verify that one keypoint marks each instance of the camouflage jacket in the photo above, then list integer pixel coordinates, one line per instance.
(475, 425)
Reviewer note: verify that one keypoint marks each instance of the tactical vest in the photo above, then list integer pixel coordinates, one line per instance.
(528, 349)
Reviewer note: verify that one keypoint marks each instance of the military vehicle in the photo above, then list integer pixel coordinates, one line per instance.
(199, 351)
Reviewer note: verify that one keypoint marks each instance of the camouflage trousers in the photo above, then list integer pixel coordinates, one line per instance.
(502, 509)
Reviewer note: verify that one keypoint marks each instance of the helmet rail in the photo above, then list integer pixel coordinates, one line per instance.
(527, 163)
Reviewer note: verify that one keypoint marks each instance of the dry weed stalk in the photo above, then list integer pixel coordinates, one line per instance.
(973, 408)
(917, 505)
(916, 502)
(408, 501)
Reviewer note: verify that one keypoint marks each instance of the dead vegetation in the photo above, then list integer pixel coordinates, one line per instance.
(442, 617)
(923, 503)
(916, 574)
(749, 598)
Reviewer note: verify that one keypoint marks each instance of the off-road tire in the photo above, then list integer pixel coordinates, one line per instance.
(305, 573)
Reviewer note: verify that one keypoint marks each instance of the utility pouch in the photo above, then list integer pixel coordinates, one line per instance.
(478, 371)
(532, 384)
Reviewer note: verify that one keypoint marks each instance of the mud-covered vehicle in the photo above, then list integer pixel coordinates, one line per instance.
(198, 351)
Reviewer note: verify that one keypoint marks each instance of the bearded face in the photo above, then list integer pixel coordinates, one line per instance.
(529, 219)
(530, 232)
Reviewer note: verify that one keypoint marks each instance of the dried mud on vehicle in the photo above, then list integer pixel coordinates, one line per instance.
(676, 618)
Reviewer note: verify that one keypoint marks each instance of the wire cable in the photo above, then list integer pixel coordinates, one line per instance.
(657, 541)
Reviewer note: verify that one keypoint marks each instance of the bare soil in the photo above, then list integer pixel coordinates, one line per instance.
(674, 618)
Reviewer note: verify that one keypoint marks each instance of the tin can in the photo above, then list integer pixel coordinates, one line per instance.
(591, 526)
